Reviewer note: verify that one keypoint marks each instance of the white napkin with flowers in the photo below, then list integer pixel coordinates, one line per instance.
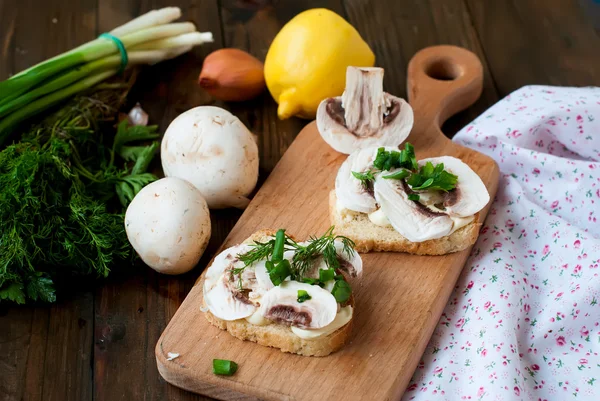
(523, 322)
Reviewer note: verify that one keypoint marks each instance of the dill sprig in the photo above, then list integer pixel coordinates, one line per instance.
(304, 255)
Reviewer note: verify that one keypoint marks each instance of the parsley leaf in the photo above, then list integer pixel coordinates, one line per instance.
(365, 177)
(13, 292)
(398, 175)
(432, 178)
(386, 161)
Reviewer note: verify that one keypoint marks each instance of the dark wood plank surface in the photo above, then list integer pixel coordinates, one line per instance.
(97, 341)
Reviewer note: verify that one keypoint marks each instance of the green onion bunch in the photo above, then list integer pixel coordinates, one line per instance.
(148, 39)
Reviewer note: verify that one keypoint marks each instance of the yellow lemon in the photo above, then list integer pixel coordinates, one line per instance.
(307, 61)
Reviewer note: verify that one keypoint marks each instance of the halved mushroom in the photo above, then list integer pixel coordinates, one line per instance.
(470, 194)
(364, 116)
(222, 303)
(222, 261)
(413, 220)
(351, 264)
(350, 192)
(281, 305)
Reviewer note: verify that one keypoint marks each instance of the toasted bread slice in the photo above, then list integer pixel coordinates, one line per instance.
(371, 237)
(278, 335)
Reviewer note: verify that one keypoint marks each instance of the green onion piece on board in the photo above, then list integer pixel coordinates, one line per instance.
(224, 367)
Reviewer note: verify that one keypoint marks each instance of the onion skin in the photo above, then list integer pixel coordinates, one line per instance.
(232, 75)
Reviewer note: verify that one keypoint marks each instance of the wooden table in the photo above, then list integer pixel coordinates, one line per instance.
(97, 342)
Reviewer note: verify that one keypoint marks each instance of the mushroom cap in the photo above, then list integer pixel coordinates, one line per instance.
(331, 125)
(168, 225)
(211, 148)
(411, 219)
(470, 194)
(281, 305)
(350, 192)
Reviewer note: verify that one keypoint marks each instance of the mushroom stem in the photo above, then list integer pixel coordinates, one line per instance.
(364, 101)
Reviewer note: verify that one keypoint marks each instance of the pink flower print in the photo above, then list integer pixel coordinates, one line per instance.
(535, 367)
(514, 134)
(460, 322)
(526, 308)
(487, 305)
(536, 171)
(509, 224)
(480, 392)
(438, 370)
(517, 391)
(554, 204)
(584, 332)
(583, 361)
(484, 352)
(576, 244)
(579, 119)
(412, 387)
(561, 341)
(545, 250)
(470, 285)
(577, 269)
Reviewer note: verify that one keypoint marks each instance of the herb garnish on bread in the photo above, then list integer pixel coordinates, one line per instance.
(285, 294)
(386, 200)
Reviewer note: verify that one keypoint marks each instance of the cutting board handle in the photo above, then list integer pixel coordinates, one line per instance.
(442, 80)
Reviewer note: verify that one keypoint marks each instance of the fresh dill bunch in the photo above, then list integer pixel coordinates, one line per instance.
(60, 188)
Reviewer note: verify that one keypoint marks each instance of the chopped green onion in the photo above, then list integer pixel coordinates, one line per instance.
(414, 197)
(278, 247)
(311, 281)
(148, 39)
(303, 296)
(280, 272)
(326, 275)
(341, 291)
(339, 277)
(224, 367)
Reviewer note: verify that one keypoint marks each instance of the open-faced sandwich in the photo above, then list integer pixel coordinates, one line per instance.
(284, 294)
(384, 200)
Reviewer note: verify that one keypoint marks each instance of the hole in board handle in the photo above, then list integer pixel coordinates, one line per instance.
(444, 70)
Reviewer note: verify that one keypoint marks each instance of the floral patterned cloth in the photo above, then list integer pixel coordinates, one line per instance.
(523, 322)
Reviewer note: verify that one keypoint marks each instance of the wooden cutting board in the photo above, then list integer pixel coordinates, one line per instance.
(399, 298)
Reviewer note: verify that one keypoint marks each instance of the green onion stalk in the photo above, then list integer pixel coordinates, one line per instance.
(148, 39)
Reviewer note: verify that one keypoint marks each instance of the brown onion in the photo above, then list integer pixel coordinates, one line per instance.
(232, 75)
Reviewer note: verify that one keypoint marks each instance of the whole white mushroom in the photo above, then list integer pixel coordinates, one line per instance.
(212, 149)
(168, 225)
